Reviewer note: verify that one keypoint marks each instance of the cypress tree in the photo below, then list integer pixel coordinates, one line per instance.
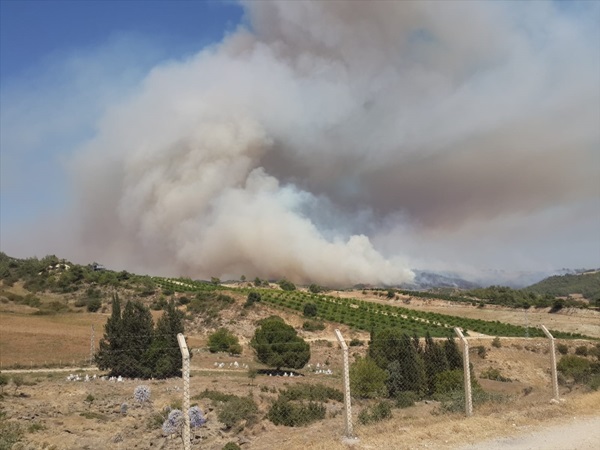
(395, 352)
(453, 355)
(435, 362)
(110, 354)
(139, 329)
(163, 358)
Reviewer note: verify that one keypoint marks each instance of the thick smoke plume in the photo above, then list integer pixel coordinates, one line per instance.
(322, 127)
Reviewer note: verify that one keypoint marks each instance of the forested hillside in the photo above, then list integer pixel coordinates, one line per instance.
(586, 284)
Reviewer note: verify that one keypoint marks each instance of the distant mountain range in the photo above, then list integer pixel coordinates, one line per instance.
(428, 280)
(518, 279)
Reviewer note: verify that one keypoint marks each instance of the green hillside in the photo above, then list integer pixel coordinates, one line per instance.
(586, 284)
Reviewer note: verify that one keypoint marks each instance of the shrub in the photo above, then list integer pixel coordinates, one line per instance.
(581, 350)
(313, 325)
(94, 304)
(232, 446)
(563, 349)
(481, 351)
(3, 382)
(10, 434)
(575, 367)
(367, 379)
(278, 345)
(496, 343)
(253, 297)
(287, 285)
(315, 288)
(447, 382)
(493, 374)
(284, 412)
(18, 381)
(236, 410)
(405, 399)
(378, 412)
(313, 392)
(310, 310)
(223, 340)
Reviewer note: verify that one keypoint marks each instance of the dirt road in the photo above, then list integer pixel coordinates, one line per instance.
(578, 434)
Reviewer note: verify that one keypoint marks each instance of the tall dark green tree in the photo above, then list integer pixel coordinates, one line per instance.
(278, 345)
(395, 352)
(138, 328)
(434, 358)
(132, 347)
(453, 355)
(164, 355)
(111, 353)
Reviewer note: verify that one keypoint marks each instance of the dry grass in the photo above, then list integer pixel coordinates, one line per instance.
(450, 431)
(28, 339)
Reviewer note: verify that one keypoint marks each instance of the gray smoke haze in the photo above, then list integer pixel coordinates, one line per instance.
(337, 142)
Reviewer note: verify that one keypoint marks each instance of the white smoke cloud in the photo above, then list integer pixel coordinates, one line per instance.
(328, 137)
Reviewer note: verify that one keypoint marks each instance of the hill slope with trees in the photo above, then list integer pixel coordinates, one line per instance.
(587, 284)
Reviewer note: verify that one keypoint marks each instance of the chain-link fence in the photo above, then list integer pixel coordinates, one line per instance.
(145, 387)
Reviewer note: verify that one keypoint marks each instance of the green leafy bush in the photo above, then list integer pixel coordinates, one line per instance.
(237, 410)
(223, 340)
(367, 379)
(493, 374)
(406, 399)
(448, 382)
(292, 414)
(278, 345)
(310, 310)
(253, 297)
(313, 325)
(287, 285)
(93, 304)
(232, 446)
(575, 367)
(312, 392)
(376, 413)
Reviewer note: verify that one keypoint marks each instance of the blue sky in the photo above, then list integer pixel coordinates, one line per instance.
(144, 123)
(48, 45)
(32, 30)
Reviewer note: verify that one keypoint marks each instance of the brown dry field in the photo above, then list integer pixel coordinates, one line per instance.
(68, 422)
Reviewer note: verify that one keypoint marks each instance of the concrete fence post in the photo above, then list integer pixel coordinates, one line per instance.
(467, 374)
(349, 434)
(185, 355)
(556, 396)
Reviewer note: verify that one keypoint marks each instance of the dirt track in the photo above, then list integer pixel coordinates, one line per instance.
(579, 434)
